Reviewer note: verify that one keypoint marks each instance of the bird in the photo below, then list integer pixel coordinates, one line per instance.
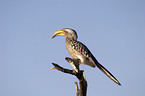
(80, 51)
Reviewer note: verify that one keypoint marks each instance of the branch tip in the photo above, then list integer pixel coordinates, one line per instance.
(52, 68)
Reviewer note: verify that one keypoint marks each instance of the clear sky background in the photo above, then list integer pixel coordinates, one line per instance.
(114, 31)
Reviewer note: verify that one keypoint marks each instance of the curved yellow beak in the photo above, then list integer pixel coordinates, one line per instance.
(58, 33)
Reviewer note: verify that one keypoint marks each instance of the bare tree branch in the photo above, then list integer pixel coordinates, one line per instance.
(77, 72)
(56, 66)
(77, 89)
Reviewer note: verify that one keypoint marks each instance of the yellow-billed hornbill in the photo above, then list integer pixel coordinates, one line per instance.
(79, 51)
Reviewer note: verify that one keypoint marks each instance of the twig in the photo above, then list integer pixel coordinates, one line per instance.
(77, 89)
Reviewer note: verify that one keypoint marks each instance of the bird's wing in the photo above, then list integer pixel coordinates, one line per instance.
(81, 48)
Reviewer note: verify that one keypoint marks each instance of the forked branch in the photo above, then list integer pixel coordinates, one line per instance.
(76, 72)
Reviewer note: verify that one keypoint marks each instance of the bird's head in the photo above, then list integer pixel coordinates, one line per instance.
(69, 33)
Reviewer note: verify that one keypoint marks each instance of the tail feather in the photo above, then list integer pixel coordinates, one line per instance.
(105, 71)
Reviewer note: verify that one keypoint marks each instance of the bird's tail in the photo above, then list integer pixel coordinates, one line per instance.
(105, 71)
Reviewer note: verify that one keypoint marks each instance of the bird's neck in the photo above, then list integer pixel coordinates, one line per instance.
(69, 39)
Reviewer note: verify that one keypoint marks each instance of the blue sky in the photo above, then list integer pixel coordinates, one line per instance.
(114, 31)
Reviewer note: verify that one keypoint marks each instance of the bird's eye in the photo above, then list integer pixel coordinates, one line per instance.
(66, 32)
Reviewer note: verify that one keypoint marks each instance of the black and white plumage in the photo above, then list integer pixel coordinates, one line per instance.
(79, 51)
